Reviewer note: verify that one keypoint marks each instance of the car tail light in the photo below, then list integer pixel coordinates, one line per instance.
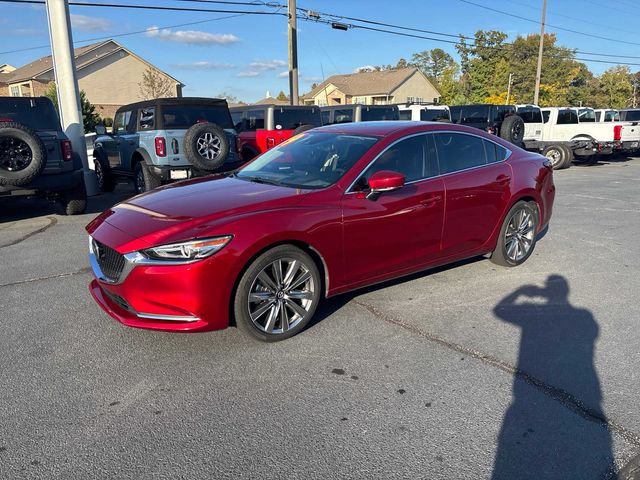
(271, 142)
(617, 132)
(161, 147)
(491, 130)
(67, 150)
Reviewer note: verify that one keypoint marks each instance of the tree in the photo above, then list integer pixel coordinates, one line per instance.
(434, 63)
(89, 116)
(282, 96)
(230, 98)
(616, 87)
(154, 84)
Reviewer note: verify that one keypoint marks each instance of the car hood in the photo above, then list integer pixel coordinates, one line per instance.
(190, 209)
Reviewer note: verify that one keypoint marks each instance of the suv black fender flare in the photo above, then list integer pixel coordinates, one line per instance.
(146, 158)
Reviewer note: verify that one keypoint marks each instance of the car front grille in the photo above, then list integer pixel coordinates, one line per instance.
(111, 262)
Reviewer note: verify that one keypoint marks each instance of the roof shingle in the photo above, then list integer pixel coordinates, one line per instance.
(381, 82)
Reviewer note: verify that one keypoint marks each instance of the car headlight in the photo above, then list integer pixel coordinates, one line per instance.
(187, 251)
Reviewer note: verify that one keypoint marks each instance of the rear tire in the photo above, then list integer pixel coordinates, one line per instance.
(278, 294)
(143, 179)
(74, 202)
(517, 237)
(568, 159)
(556, 155)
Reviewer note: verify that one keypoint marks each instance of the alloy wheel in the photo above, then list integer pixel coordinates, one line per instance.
(140, 184)
(15, 154)
(519, 235)
(209, 146)
(281, 296)
(99, 174)
(555, 156)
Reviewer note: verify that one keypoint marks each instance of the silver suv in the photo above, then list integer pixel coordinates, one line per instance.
(167, 139)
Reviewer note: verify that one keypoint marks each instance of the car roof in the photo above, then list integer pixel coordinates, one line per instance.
(387, 127)
(176, 101)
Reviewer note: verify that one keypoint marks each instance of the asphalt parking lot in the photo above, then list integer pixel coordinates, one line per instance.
(468, 372)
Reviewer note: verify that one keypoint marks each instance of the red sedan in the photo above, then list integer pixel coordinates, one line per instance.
(331, 210)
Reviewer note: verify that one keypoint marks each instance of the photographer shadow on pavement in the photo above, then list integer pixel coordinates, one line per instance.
(555, 427)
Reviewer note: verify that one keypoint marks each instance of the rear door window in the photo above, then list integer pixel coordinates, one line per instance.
(475, 114)
(343, 115)
(545, 116)
(370, 114)
(459, 151)
(434, 115)
(567, 117)
(325, 114)
(586, 115)
(405, 114)
(147, 118)
(253, 120)
(292, 118)
(184, 116)
(611, 116)
(530, 114)
(504, 111)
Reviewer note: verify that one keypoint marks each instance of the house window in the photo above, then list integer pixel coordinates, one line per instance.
(321, 102)
(15, 91)
(410, 100)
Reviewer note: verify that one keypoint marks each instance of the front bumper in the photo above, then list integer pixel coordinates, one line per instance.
(187, 297)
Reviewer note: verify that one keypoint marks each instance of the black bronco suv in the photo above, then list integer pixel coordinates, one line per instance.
(36, 158)
(500, 120)
(166, 139)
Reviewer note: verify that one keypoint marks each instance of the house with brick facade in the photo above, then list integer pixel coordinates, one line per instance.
(379, 87)
(109, 74)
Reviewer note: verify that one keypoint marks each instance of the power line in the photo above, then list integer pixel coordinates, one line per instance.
(150, 7)
(577, 32)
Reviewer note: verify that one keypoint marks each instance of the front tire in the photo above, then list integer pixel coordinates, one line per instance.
(278, 294)
(517, 236)
(106, 180)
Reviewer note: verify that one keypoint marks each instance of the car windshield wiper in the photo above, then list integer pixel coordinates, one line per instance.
(267, 181)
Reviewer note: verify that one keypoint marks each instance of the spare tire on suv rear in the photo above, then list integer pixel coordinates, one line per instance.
(512, 129)
(23, 156)
(206, 146)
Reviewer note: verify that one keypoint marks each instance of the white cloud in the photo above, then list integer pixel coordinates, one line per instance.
(248, 74)
(263, 65)
(89, 24)
(205, 66)
(364, 68)
(284, 74)
(192, 37)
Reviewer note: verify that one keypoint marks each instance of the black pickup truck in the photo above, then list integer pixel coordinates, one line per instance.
(36, 158)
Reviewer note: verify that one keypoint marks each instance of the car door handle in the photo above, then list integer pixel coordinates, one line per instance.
(431, 200)
(503, 179)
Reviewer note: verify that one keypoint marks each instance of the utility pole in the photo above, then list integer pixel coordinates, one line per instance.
(293, 53)
(64, 67)
(536, 95)
(635, 87)
(509, 89)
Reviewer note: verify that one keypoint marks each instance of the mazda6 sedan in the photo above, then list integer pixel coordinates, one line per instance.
(331, 210)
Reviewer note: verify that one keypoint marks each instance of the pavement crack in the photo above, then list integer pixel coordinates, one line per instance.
(565, 398)
(52, 222)
(49, 277)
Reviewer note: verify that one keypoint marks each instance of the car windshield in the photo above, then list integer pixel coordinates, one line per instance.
(310, 160)
(35, 113)
(184, 116)
(292, 118)
(379, 113)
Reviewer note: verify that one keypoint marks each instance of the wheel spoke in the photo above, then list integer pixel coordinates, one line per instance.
(284, 318)
(267, 282)
(300, 295)
(511, 246)
(291, 273)
(300, 280)
(276, 267)
(295, 307)
(261, 296)
(273, 315)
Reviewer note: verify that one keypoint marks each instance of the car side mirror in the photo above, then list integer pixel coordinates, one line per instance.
(384, 181)
(101, 129)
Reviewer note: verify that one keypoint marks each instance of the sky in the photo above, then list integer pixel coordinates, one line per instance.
(246, 55)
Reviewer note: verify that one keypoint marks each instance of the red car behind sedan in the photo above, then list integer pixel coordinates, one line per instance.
(331, 210)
